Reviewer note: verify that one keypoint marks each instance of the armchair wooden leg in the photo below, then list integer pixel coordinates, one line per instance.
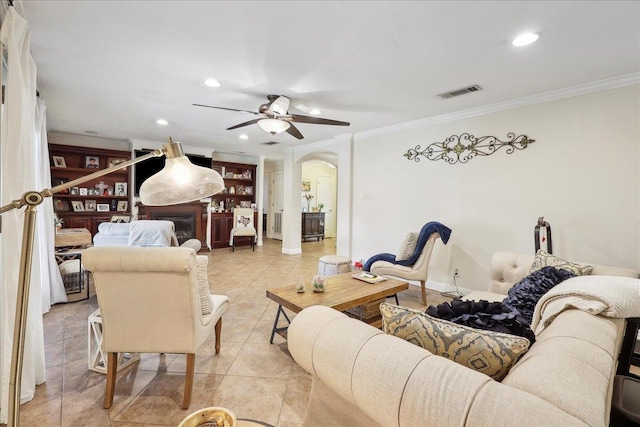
(218, 330)
(112, 369)
(188, 380)
(424, 292)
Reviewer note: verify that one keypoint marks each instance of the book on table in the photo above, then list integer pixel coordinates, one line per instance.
(369, 277)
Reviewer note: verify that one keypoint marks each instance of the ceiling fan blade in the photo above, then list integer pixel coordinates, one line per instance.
(315, 120)
(250, 122)
(293, 131)
(224, 108)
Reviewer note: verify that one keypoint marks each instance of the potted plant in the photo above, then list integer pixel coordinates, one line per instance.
(58, 223)
(320, 206)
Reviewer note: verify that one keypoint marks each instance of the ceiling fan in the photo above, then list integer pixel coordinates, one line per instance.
(276, 118)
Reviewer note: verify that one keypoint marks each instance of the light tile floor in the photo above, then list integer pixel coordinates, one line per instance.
(253, 378)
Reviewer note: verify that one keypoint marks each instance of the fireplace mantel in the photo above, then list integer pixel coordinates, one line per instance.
(196, 210)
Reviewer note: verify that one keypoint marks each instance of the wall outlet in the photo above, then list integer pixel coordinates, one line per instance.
(456, 273)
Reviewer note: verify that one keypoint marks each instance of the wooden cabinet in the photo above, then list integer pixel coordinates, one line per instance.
(240, 185)
(93, 202)
(313, 225)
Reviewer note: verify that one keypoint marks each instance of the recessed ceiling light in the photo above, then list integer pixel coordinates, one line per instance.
(162, 122)
(525, 39)
(243, 136)
(315, 112)
(212, 83)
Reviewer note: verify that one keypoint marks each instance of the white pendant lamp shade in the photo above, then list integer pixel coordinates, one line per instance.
(273, 126)
(180, 181)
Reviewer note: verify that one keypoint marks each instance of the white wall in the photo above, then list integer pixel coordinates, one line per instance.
(310, 172)
(582, 174)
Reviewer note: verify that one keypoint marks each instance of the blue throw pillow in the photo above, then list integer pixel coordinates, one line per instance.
(524, 295)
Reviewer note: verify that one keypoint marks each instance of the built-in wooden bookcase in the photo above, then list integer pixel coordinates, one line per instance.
(89, 204)
(240, 190)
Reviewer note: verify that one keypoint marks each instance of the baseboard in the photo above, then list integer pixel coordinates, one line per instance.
(291, 251)
(442, 287)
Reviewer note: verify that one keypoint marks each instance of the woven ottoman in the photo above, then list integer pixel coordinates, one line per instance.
(330, 265)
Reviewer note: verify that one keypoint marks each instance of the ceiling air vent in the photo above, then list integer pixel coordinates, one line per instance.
(459, 92)
(270, 143)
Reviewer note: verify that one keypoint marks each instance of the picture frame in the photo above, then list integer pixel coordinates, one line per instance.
(306, 186)
(254, 206)
(102, 207)
(245, 204)
(60, 205)
(77, 205)
(84, 191)
(246, 174)
(92, 162)
(121, 218)
(74, 191)
(90, 205)
(232, 190)
(58, 162)
(59, 181)
(240, 190)
(120, 189)
(115, 161)
(248, 190)
(229, 175)
(122, 206)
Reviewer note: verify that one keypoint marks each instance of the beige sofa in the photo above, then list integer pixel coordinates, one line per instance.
(363, 377)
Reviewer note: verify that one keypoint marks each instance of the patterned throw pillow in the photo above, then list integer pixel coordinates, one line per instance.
(206, 305)
(491, 353)
(407, 247)
(544, 259)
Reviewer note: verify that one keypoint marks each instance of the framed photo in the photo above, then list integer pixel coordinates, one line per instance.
(84, 191)
(115, 161)
(240, 190)
(229, 175)
(306, 185)
(121, 218)
(122, 206)
(77, 205)
(120, 189)
(245, 204)
(74, 191)
(60, 205)
(246, 174)
(103, 207)
(248, 190)
(58, 162)
(254, 206)
(232, 190)
(89, 205)
(92, 162)
(59, 181)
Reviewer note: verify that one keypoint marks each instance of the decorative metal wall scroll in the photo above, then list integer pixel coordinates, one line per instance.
(464, 147)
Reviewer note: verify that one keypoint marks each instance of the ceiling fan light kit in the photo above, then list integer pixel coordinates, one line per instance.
(273, 126)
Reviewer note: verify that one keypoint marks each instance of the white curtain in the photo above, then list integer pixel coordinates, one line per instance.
(50, 279)
(18, 167)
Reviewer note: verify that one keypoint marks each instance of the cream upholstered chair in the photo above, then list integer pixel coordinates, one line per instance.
(153, 300)
(242, 227)
(416, 267)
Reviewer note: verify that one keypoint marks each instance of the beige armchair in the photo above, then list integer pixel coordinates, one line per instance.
(418, 271)
(151, 302)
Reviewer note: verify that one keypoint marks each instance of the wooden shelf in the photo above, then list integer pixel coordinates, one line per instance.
(86, 171)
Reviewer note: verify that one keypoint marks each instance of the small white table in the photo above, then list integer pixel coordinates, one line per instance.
(97, 358)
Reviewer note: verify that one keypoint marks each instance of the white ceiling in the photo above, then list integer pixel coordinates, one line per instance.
(114, 67)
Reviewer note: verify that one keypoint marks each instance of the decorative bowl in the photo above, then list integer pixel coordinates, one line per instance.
(213, 416)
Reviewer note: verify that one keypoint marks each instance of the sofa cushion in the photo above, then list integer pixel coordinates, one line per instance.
(544, 259)
(407, 247)
(524, 295)
(206, 305)
(491, 353)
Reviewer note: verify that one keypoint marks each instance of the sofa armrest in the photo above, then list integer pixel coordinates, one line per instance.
(395, 382)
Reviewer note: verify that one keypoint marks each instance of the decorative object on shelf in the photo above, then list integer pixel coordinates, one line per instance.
(90, 205)
(115, 161)
(92, 162)
(319, 283)
(122, 206)
(120, 218)
(306, 186)
(78, 206)
(59, 181)
(60, 205)
(103, 207)
(120, 189)
(74, 191)
(320, 206)
(84, 191)
(159, 189)
(300, 286)
(464, 147)
(308, 196)
(213, 416)
(246, 174)
(58, 162)
(248, 190)
(58, 222)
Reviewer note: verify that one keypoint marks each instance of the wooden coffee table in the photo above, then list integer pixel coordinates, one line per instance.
(343, 292)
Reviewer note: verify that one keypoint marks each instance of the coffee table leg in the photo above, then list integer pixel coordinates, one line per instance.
(275, 324)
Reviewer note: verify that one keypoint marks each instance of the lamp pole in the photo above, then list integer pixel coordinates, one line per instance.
(31, 200)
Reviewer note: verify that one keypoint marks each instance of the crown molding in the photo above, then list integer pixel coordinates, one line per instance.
(554, 95)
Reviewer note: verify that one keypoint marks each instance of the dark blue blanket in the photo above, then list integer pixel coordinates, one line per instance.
(425, 232)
